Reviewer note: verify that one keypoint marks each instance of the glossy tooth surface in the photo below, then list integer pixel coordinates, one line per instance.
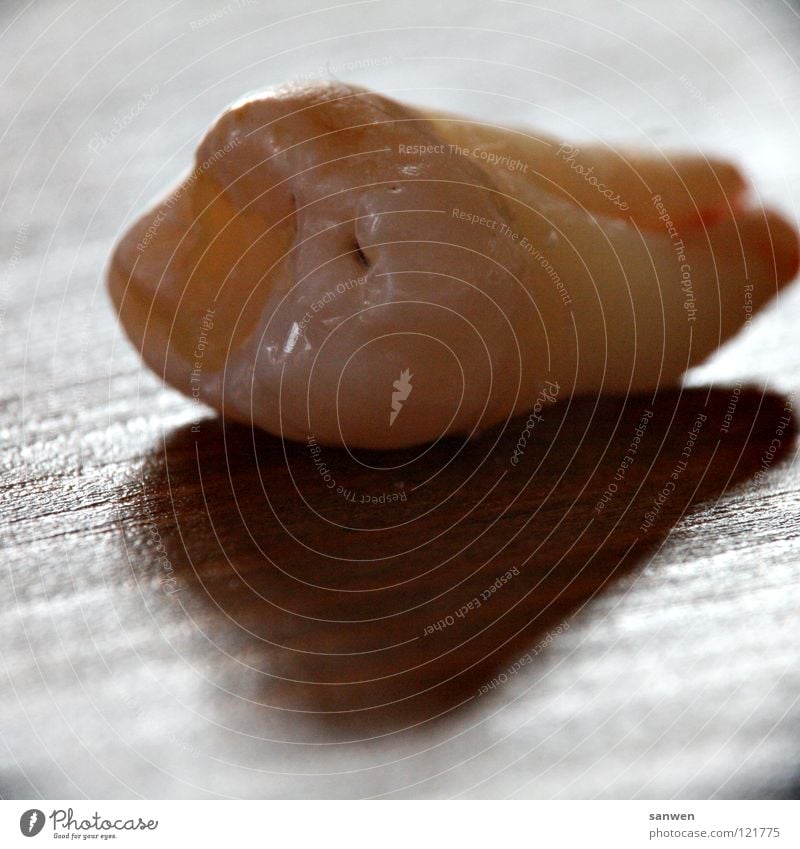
(337, 265)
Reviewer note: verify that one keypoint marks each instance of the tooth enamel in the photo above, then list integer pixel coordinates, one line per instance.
(343, 240)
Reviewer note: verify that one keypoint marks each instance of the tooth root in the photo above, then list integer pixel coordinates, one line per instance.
(647, 306)
(610, 181)
(643, 312)
(697, 191)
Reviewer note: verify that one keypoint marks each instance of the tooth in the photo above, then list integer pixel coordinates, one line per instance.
(332, 245)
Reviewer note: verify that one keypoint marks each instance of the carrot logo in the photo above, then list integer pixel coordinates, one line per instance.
(402, 389)
(31, 822)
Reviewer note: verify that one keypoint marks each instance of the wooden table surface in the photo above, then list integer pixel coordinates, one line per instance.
(195, 614)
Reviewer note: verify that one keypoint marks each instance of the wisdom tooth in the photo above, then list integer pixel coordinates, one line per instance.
(330, 240)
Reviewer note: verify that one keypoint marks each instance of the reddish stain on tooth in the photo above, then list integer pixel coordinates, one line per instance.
(780, 247)
(710, 215)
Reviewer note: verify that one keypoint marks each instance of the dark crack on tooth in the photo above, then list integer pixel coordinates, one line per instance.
(360, 254)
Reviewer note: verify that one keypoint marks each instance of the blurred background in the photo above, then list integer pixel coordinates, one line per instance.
(179, 621)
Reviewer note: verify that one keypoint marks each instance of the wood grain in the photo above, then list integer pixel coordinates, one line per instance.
(191, 611)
